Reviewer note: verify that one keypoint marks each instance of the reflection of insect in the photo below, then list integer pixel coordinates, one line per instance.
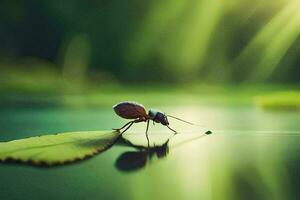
(134, 160)
(137, 112)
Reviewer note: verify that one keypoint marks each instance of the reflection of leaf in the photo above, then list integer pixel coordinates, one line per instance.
(57, 149)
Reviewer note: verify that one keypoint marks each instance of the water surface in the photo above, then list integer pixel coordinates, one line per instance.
(250, 155)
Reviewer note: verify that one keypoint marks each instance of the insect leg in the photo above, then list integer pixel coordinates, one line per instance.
(130, 124)
(123, 126)
(171, 129)
(147, 133)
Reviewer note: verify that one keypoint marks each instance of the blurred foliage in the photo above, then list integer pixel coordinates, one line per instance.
(77, 43)
(150, 95)
(280, 101)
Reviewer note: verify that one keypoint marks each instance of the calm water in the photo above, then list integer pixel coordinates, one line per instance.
(250, 155)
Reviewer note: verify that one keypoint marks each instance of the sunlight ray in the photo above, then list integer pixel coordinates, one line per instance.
(189, 45)
(270, 44)
(278, 48)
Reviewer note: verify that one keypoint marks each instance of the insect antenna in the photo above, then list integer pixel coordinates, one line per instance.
(183, 120)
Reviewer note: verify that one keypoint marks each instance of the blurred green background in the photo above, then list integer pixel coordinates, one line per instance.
(63, 64)
(82, 49)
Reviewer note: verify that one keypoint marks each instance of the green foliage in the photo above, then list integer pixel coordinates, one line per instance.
(221, 41)
(279, 101)
(57, 149)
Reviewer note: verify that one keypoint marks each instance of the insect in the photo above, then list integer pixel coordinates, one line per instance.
(137, 112)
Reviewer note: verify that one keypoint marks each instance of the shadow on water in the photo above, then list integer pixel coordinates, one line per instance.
(135, 160)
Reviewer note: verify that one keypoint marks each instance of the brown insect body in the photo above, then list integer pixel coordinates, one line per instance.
(137, 112)
(131, 110)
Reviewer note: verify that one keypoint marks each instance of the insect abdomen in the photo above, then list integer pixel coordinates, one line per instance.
(130, 110)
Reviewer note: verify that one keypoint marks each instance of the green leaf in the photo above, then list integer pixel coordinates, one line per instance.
(57, 149)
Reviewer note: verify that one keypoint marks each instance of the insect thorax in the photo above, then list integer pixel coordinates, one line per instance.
(158, 116)
(153, 113)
